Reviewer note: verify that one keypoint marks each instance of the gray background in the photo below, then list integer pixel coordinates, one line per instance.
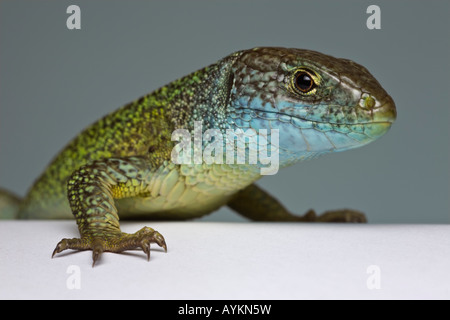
(54, 82)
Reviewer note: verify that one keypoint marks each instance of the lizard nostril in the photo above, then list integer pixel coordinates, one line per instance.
(384, 110)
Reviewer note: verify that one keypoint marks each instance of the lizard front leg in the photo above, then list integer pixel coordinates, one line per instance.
(256, 204)
(91, 192)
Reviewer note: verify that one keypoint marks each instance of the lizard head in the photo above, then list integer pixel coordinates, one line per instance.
(319, 103)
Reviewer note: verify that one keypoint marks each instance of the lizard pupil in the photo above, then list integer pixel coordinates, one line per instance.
(304, 82)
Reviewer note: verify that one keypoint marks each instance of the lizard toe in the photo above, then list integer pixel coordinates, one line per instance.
(344, 215)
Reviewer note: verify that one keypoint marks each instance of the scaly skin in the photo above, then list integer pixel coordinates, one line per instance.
(121, 165)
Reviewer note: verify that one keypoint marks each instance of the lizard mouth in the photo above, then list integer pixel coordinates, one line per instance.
(284, 117)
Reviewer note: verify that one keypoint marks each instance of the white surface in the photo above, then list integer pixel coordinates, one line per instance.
(232, 261)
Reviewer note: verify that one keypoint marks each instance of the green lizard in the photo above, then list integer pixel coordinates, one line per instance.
(122, 164)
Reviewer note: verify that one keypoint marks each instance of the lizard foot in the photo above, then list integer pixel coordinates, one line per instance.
(344, 215)
(117, 242)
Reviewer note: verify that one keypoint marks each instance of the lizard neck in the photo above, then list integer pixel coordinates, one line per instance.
(202, 96)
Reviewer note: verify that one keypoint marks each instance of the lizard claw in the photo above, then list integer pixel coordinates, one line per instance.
(75, 244)
(97, 250)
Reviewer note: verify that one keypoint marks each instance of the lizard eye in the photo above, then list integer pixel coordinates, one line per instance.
(303, 81)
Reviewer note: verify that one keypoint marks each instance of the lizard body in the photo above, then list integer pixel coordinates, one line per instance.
(122, 165)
